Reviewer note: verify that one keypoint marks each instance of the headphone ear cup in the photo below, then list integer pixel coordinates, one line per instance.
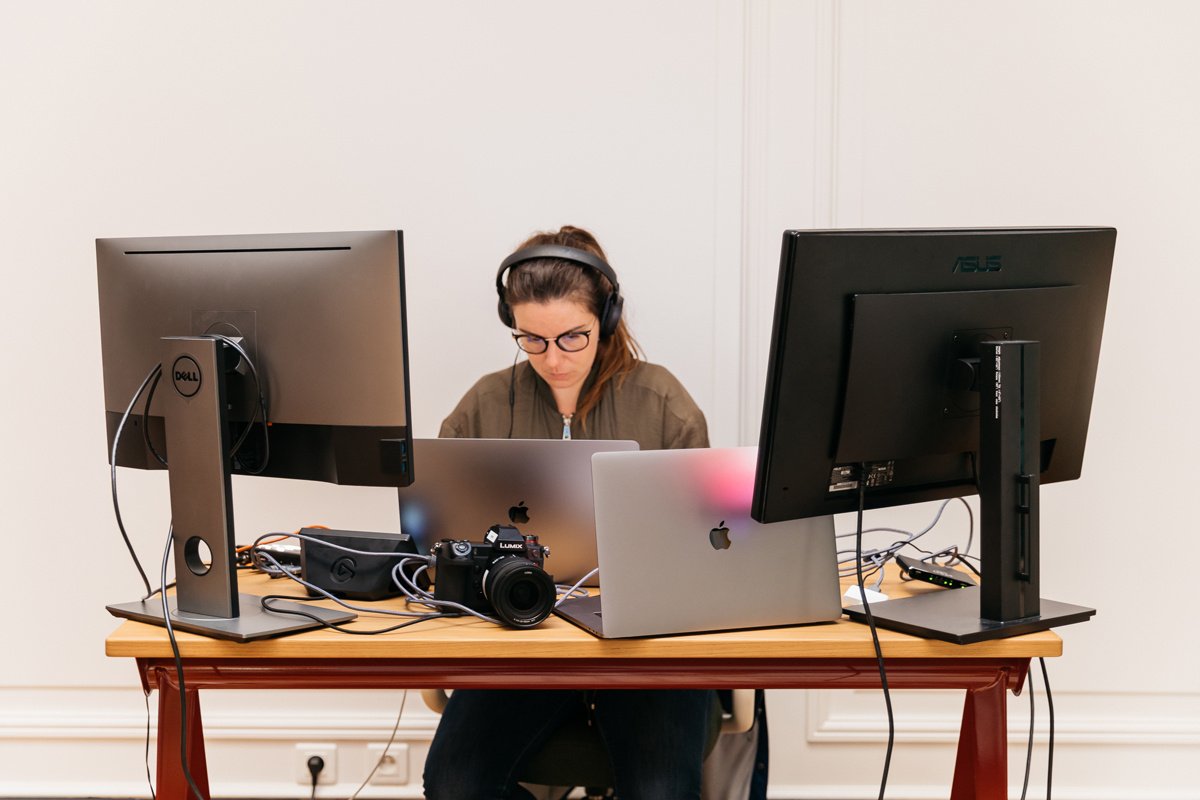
(611, 315)
(505, 314)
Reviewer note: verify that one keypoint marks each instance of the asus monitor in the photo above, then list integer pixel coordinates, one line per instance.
(885, 350)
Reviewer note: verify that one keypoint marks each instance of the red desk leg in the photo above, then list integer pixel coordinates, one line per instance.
(981, 770)
(172, 783)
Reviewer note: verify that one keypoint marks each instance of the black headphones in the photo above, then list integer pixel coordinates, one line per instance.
(610, 314)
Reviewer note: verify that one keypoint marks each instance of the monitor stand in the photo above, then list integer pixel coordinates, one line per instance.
(1007, 602)
(206, 600)
(252, 621)
(952, 615)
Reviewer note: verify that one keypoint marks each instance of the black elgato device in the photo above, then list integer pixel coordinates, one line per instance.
(936, 574)
(353, 576)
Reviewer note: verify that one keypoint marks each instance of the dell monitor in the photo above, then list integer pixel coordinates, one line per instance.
(916, 365)
(282, 355)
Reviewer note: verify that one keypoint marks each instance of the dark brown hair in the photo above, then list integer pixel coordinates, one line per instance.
(549, 279)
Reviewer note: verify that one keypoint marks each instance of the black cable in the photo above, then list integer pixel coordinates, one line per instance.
(1050, 751)
(261, 407)
(1029, 746)
(315, 765)
(166, 609)
(887, 695)
(512, 393)
(146, 419)
(112, 461)
(337, 626)
(146, 756)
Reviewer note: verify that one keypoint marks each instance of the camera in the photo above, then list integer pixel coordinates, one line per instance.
(502, 575)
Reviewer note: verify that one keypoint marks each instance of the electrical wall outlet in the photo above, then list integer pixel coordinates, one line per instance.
(326, 751)
(393, 770)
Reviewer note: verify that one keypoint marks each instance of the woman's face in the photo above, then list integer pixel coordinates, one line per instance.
(562, 370)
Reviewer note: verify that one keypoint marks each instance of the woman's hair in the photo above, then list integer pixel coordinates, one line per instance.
(547, 279)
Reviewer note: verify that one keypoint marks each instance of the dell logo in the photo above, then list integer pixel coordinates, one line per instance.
(185, 376)
(977, 264)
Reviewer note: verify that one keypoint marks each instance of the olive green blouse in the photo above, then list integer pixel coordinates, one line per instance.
(651, 407)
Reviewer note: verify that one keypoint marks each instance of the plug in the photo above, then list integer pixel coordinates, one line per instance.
(315, 765)
(316, 759)
(854, 597)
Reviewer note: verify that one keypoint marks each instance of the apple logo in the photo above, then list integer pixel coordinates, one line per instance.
(519, 514)
(718, 537)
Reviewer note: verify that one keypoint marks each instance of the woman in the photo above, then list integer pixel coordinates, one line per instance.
(584, 378)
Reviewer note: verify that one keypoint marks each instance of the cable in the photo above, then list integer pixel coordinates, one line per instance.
(1029, 746)
(183, 759)
(383, 755)
(261, 407)
(415, 594)
(337, 626)
(1050, 751)
(146, 419)
(887, 695)
(324, 594)
(112, 461)
(849, 560)
(512, 394)
(152, 379)
(574, 591)
(315, 765)
(146, 756)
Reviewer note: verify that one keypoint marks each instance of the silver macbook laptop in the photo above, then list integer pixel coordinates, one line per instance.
(679, 552)
(543, 486)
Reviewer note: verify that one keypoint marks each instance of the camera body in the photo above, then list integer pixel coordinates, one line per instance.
(502, 575)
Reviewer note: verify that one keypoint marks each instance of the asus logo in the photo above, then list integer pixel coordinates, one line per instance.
(977, 264)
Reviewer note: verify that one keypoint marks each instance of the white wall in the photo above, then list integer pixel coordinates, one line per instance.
(688, 136)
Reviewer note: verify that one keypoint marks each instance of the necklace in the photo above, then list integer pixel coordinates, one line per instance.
(567, 425)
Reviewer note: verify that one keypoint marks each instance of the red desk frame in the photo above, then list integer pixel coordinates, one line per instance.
(980, 771)
(464, 653)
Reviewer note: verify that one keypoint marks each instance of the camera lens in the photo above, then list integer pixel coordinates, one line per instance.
(521, 592)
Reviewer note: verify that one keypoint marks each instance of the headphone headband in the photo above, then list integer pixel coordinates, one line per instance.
(610, 315)
(562, 252)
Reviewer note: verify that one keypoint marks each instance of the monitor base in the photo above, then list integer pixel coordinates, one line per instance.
(254, 622)
(952, 615)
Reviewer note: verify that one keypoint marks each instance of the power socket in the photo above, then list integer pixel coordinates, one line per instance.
(393, 771)
(326, 751)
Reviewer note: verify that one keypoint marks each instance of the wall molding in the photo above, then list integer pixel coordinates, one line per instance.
(1081, 718)
(120, 715)
(921, 792)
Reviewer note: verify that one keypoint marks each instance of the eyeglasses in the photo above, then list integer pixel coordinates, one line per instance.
(570, 342)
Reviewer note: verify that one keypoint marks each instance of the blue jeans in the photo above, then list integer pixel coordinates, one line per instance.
(655, 740)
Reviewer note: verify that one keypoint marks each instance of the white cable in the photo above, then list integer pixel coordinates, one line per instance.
(571, 591)
(877, 557)
(383, 755)
(351, 606)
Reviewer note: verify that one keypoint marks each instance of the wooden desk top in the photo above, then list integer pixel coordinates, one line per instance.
(473, 639)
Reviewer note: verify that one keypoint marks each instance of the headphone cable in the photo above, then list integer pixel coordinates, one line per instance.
(512, 393)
